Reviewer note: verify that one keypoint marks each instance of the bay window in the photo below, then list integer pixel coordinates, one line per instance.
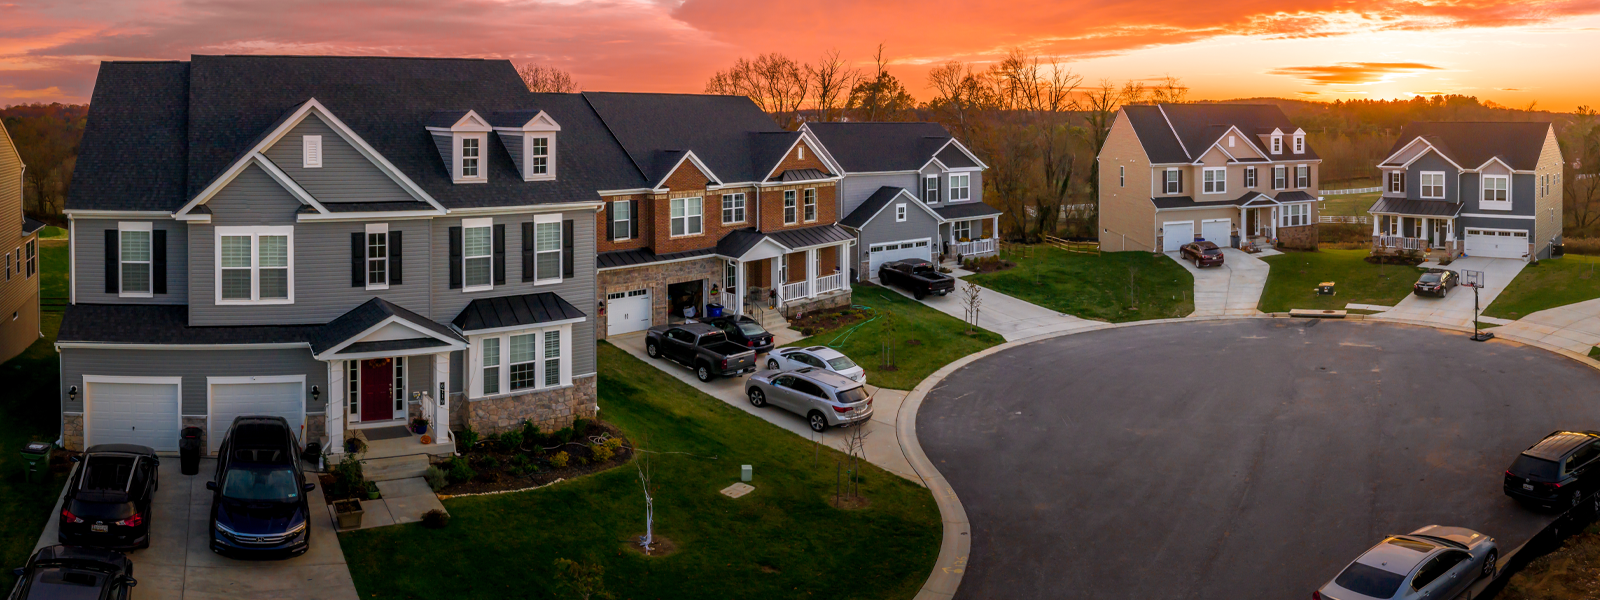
(490, 351)
(523, 360)
(1295, 215)
(255, 265)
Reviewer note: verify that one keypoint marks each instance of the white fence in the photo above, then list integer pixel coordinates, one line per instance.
(1403, 243)
(1352, 191)
(976, 247)
(798, 289)
(1363, 220)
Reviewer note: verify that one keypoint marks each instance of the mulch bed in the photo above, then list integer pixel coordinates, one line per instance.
(496, 470)
(810, 323)
(988, 264)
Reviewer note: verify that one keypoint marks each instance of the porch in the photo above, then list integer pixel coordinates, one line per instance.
(970, 238)
(1398, 234)
(783, 270)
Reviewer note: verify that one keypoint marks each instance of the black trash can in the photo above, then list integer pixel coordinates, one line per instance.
(189, 447)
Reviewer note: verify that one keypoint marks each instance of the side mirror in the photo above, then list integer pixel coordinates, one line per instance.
(74, 458)
(18, 572)
(130, 582)
(310, 486)
(211, 485)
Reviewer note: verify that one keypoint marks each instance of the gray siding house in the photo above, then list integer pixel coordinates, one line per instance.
(910, 190)
(348, 243)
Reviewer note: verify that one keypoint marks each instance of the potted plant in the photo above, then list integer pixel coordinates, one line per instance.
(419, 425)
(348, 512)
(355, 446)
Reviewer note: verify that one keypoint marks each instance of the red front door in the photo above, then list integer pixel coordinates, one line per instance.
(377, 389)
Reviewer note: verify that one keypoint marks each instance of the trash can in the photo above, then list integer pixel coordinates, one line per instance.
(1558, 250)
(189, 449)
(36, 458)
(713, 310)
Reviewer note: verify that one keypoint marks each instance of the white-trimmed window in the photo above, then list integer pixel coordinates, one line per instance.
(810, 204)
(961, 230)
(1295, 215)
(686, 218)
(730, 276)
(1302, 176)
(1174, 181)
(353, 395)
(789, 212)
(1122, 176)
(1496, 192)
(1299, 144)
(1433, 185)
(32, 258)
(519, 361)
(1277, 144)
(733, 208)
(377, 256)
(538, 155)
(477, 254)
(930, 189)
(471, 163)
(1215, 180)
(1280, 177)
(960, 187)
(546, 248)
(489, 352)
(621, 220)
(311, 151)
(255, 265)
(1250, 177)
(1397, 182)
(900, 213)
(134, 254)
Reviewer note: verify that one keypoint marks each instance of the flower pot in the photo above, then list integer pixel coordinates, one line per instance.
(348, 513)
(419, 428)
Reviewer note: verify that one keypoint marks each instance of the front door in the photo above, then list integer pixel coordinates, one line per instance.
(377, 389)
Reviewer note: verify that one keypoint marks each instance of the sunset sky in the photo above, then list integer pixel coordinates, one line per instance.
(1510, 52)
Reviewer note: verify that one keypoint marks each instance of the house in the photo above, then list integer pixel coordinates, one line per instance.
(19, 290)
(731, 210)
(1227, 173)
(1470, 188)
(910, 190)
(344, 242)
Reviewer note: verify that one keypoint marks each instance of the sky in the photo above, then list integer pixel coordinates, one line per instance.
(1510, 52)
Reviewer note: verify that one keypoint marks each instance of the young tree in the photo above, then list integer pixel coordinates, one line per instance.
(971, 301)
(547, 79)
(646, 474)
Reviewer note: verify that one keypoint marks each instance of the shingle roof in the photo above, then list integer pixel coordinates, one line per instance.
(1180, 133)
(870, 207)
(29, 225)
(132, 155)
(718, 129)
(954, 158)
(512, 311)
(869, 147)
(639, 256)
(966, 210)
(738, 242)
(1295, 196)
(821, 235)
(1426, 208)
(165, 324)
(1470, 144)
(364, 317)
(369, 207)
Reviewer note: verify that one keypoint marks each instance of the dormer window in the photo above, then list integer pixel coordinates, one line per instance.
(1299, 144)
(530, 138)
(470, 150)
(1277, 144)
(539, 155)
(462, 138)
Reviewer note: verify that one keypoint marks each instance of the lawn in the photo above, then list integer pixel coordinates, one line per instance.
(1114, 286)
(53, 268)
(1349, 204)
(32, 412)
(784, 540)
(940, 338)
(1549, 284)
(1294, 277)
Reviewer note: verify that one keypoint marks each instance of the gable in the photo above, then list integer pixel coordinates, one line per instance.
(253, 198)
(1242, 148)
(687, 176)
(793, 160)
(1410, 152)
(1215, 157)
(345, 175)
(1431, 160)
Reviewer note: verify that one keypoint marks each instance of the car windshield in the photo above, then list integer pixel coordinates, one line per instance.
(852, 395)
(715, 337)
(841, 363)
(1528, 467)
(1430, 278)
(1371, 581)
(260, 483)
(108, 473)
(751, 328)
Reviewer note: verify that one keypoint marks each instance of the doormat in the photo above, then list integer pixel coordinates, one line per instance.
(387, 433)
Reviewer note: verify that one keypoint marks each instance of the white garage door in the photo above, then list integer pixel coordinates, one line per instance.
(893, 251)
(255, 396)
(132, 410)
(627, 312)
(1217, 231)
(1497, 243)
(1175, 234)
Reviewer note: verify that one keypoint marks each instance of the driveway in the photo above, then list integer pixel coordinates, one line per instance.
(1574, 327)
(1234, 289)
(1166, 474)
(1455, 309)
(180, 564)
(1008, 316)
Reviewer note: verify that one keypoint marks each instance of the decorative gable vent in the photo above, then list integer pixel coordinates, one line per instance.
(530, 137)
(311, 151)
(462, 138)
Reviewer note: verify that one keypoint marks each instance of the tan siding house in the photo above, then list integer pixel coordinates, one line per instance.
(19, 288)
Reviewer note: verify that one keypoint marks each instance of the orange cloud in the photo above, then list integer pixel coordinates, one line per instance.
(1357, 73)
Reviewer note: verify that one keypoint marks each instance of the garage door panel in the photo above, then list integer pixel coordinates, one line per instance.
(1218, 232)
(900, 250)
(627, 312)
(272, 399)
(1489, 243)
(1175, 235)
(133, 413)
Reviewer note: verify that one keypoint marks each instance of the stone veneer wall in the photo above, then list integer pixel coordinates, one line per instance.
(656, 277)
(1303, 237)
(550, 410)
(72, 432)
(831, 300)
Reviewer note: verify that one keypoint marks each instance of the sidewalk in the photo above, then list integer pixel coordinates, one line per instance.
(1008, 316)
(1234, 289)
(1574, 327)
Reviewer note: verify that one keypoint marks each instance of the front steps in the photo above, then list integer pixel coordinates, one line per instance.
(394, 467)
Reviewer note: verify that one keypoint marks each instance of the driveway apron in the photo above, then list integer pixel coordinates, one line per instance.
(1233, 289)
(1010, 317)
(1455, 309)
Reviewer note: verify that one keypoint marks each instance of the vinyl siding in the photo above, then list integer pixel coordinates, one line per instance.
(1548, 209)
(855, 189)
(345, 175)
(918, 224)
(193, 365)
(19, 294)
(1126, 213)
(1433, 162)
(88, 252)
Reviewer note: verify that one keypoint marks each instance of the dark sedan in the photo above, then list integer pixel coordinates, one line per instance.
(70, 572)
(258, 502)
(1558, 472)
(1435, 282)
(744, 331)
(109, 496)
(1203, 254)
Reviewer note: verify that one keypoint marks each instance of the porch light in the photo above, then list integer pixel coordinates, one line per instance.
(315, 394)
(72, 394)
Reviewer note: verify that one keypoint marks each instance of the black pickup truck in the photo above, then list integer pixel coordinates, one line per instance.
(701, 347)
(916, 276)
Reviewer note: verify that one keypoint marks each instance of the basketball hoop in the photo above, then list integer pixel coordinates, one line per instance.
(1474, 280)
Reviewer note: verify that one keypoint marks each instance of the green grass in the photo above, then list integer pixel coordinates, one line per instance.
(1103, 288)
(51, 232)
(31, 408)
(53, 268)
(1294, 277)
(942, 338)
(782, 541)
(1594, 352)
(1549, 284)
(1351, 204)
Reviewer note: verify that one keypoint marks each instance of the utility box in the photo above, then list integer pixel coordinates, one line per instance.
(745, 473)
(1325, 288)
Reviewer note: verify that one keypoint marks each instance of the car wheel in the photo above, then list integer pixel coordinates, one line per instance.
(703, 373)
(919, 295)
(772, 363)
(818, 422)
(757, 399)
(1577, 498)
(652, 351)
(1489, 564)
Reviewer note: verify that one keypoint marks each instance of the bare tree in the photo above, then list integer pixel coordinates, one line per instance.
(1171, 90)
(971, 301)
(880, 97)
(961, 95)
(1580, 177)
(776, 83)
(646, 475)
(831, 81)
(547, 79)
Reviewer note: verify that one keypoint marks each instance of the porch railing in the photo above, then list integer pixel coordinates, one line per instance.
(1401, 243)
(796, 290)
(976, 247)
(729, 302)
(828, 283)
(1358, 219)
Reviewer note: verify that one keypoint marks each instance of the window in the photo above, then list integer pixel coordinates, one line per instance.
(730, 276)
(686, 217)
(9, 268)
(900, 213)
(960, 187)
(1174, 181)
(1496, 192)
(1277, 144)
(1302, 176)
(621, 220)
(1397, 182)
(255, 265)
(377, 256)
(788, 207)
(1299, 144)
(477, 254)
(1433, 185)
(552, 358)
(311, 151)
(811, 204)
(1295, 215)
(930, 189)
(33, 258)
(1231, 140)
(1122, 176)
(1216, 180)
(1280, 177)
(353, 394)
(523, 360)
(1250, 177)
(546, 248)
(491, 366)
(800, 149)
(733, 208)
(469, 157)
(961, 230)
(134, 256)
(524, 363)
(538, 156)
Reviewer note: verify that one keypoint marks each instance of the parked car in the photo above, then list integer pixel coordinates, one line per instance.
(75, 572)
(824, 398)
(821, 357)
(744, 331)
(1557, 472)
(258, 500)
(1434, 562)
(109, 498)
(920, 277)
(701, 347)
(1435, 282)
(1202, 254)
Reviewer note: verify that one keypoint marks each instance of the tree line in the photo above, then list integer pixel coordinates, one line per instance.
(47, 136)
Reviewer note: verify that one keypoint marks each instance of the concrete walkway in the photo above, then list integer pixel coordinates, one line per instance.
(1455, 309)
(1234, 289)
(1574, 327)
(1008, 316)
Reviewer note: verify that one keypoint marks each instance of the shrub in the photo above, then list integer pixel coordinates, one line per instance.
(459, 471)
(559, 460)
(511, 440)
(492, 441)
(602, 452)
(530, 432)
(562, 435)
(614, 443)
(520, 460)
(348, 477)
(435, 478)
(580, 426)
(489, 462)
(435, 519)
(372, 490)
(467, 437)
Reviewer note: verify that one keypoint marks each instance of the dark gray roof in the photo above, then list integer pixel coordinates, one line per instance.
(132, 155)
(512, 311)
(640, 256)
(392, 345)
(29, 225)
(800, 175)
(966, 210)
(954, 158)
(1470, 144)
(821, 235)
(739, 241)
(510, 118)
(724, 132)
(868, 147)
(165, 324)
(1188, 202)
(364, 317)
(1180, 133)
(1426, 208)
(1295, 196)
(370, 207)
(870, 207)
(444, 118)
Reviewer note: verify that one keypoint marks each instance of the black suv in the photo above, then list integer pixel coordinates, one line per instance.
(108, 498)
(1557, 472)
(744, 331)
(56, 572)
(258, 501)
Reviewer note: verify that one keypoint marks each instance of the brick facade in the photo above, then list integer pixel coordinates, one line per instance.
(793, 160)
(772, 206)
(797, 267)
(646, 220)
(549, 410)
(1303, 237)
(655, 277)
(829, 257)
(829, 301)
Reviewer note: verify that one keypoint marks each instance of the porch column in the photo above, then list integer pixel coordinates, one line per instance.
(1244, 224)
(1274, 223)
(811, 272)
(1375, 219)
(776, 269)
(1427, 232)
(333, 415)
(738, 291)
(843, 255)
(441, 397)
(994, 231)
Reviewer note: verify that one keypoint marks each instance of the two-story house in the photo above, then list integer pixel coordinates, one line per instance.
(910, 190)
(344, 242)
(19, 240)
(1475, 188)
(1226, 173)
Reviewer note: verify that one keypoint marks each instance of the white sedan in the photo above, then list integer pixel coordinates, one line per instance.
(822, 357)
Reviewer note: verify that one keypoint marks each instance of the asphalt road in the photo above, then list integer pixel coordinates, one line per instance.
(1235, 459)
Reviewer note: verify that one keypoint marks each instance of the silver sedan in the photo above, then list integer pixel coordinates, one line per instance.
(1434, 562)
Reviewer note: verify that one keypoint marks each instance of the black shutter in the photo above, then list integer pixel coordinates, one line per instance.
(499, 254)
(395, 266)
(111, 261)
(455, 258)
(358, 259)
(158, 261)
(527, 251)
(566, 248)
(633, 219)
(611, 222)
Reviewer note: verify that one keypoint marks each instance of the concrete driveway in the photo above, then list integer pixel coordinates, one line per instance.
(180, 564)
(1008, 316)
(1455, 309)
(1234, 289)
(1574, 327)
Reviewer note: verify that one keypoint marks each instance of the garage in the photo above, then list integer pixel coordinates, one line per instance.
(1497, 243)
(1174, 234)
(627, 312)
(1217, 231)
(230, 397)
(893, 251)
(132, 410)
